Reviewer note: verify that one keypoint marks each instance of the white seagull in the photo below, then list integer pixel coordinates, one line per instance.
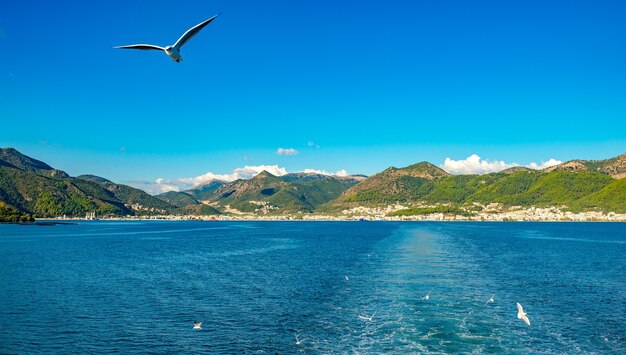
(197, 325)
(173, 51)
(369, 319)
(346, 276)
(491, 299)
(298, 341)
(522, 315)
(425, 298)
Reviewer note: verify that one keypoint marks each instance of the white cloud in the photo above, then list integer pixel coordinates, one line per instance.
(239, 173)
(475, 165)
(165, 186)
(286, 151)
(545, 164)
(155, 187)
(162, 185)
(341, 172)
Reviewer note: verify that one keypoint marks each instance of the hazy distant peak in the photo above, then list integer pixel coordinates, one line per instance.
(94, 178)
(21, 161)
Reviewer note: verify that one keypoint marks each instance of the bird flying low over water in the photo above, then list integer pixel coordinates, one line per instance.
(197, 325)
(522, 315)
(427, 297)
(366, 318)
(491, 299)
(173, 51)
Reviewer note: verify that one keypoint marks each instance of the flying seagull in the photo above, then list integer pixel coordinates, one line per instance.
(369, 319)
(425, 298)
(347, 278)
(491, 299)
(174, 50)
(521, 315)
(197, 325)
(298, 341)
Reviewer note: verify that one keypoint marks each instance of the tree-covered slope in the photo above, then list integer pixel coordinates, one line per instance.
(411, 183)
(611, 198)
(51, 197)
(539, 188)
(178, 199)
(272, 194)
(10, 214)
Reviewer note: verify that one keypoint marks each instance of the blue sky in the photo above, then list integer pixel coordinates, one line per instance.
(355, 85)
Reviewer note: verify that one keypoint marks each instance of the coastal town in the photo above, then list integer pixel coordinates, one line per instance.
(493, 212)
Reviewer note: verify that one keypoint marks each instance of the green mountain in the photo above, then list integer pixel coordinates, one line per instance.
(615, 167)
(538, 188)
(206, 191)
(178, 199)
(611, 198)
(33, 187)
(10, 214)
(266, 193)
(137, 200)
(581, 185)
(198, 210)
(411, 183)
(45, 196)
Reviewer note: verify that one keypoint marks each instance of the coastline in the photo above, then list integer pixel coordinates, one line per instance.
(527, 215)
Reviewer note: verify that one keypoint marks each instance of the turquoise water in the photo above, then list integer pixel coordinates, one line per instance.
(138, 287)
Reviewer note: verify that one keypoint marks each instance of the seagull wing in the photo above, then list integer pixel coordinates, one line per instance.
(520, 311)
(526, 320)
(192, 32)
(144, 47)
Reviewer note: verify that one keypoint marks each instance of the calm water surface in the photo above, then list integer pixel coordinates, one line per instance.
(138, 287)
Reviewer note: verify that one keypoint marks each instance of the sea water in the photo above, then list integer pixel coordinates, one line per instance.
(139, 286)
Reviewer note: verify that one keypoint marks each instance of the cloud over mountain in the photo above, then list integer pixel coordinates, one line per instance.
(474, 164)
(161, 185)
(341, 172)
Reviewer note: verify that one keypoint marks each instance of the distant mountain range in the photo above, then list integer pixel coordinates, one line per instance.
(33, 187)
(578, 185)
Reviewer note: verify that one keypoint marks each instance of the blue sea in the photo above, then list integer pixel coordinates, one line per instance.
(138, 286)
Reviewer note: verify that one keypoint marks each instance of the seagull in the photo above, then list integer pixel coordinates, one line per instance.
(425, 298)
(491, 299)
(197, 325)
(346, 276)
(298, 341)
(369, 319)
(521, 315)
(173, 51)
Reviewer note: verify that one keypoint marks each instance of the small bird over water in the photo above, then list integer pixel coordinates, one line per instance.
(427, 297)
(522, 315)
(491, 299)
(197, 325)
(369, 319)
(173, 51)
(298, 341)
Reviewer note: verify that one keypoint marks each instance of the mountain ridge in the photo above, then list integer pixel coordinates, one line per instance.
(33, 187)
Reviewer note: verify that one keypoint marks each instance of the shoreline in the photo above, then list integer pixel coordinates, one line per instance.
(323, 219)
(490, 213)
